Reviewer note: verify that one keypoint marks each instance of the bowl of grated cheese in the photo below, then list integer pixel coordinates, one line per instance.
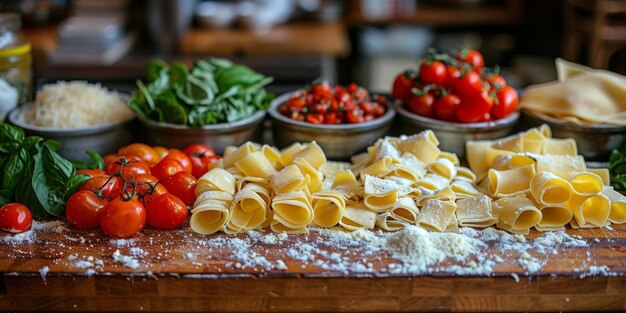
(81, 116)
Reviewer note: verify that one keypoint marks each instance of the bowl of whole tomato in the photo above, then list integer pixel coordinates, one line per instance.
(342, 120)
(457, 97)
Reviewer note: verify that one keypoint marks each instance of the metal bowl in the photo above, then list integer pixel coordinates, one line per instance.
(339, 142)
(217, 136)
(453, 136)
(105, 138)
(595, 142)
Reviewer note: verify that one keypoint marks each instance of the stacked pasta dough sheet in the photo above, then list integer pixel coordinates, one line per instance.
(516, 183)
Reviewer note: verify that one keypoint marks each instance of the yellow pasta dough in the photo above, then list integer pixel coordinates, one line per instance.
(435, 215)
(288, 179)
(381, 195)
(475, 212)
(516, 214)
(313, 154)
(238, 153)
(586, 183)
(216, 179)
(549, 189)
(292, 209)
(509, 182)
(256, 165)
(357, 216)
(328, 207)
(618, 205)
(592, 210)
(388, 222)
(287, 154)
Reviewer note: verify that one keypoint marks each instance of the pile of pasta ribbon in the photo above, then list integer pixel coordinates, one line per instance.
(515, 183)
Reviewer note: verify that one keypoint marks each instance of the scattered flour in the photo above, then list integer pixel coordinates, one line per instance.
(127, 261)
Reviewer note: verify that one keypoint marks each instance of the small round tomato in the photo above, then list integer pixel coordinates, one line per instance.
(472, 57)
(108, 159)
(141, 184)
(83, 209)
(355, 116)
(469, 84)
(182, 185)
(141, 151)
(432, 72)
(422, 105)
(91, 173)
(446, 107)
(130, 166)
(150, 194)
(105, 186)
(181, 158)
(507, 102)
(472, 109)
(166, 168)
(15, 218)
(123, 218)
(402, 86)
(161, 151)
(199, 150)
(166, 212)
(496, 81)
(315, 118)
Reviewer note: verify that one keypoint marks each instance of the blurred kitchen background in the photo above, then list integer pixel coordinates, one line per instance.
(297, 41)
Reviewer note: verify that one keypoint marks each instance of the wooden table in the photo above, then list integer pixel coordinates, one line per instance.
(170, 279)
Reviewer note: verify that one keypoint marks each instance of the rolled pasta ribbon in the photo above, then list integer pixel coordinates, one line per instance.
(277, 227)
(618, 205)
(379, 168)
(381, 195)
(328, 207)
(603, 173)
(209, 217)
(213, 195)
(288, 179)
(553, 216)
(560, 146)
(244, 181)
(357, 216)
(443, 167)
(436, 215)
(560, 165)
(256, 164)
(464, 189)
(475, 212)
(388, 222)
(315, 177)
(549, 189)
(464, 173)
(292, 209)
(433, 181)
(248, 210)
(592, 210)
(216, 179)
(445, 194)
(384, 148)
(231, 158)
(516, 214)
(405, 210)
(509, 182)
(346, 183)
(452, 157)
(586, 183)
(422, 145)
(476, 154)
(273, 156)
(313, 154)
(286, 155)
(332, 168)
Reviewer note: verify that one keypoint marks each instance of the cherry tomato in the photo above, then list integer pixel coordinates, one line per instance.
(471, 57)
(472, 109)
(181, 185)
(83, 209)
(469, 84)
(166, 212)
(331, 118)
(15, 218)
(422, 105)
(199, 150)
(147, 188)
(130, 166)
(142, 183)
(315, 118)
(507, 102)
(141, 151)
(354, 116)
(181, 158)
(166, 168)
(432, 72)
(446, 107)
(102, 185)
(161, 151)
(92, 173)
(496, 81)
(402, 86)
(108, 159)
(123, 218)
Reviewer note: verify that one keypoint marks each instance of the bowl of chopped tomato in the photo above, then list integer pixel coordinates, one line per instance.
(456, 96)
(342, 120)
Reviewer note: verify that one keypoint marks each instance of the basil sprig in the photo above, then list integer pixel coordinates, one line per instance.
(618, 168)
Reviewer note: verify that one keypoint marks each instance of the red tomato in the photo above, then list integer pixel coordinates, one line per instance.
(130, 166)
(469, 84)
(496, 81)
(150, 194)
(166, 168)
(201, 165)
(106, 186)
(422, 105)
(181, 185)
(315, 118)
(507, 102)
(83, 209)
(166, 212)
(471, 57)
(141, 151)
(432, 72)
(143, 183)
(181, 158)
(331, 118)
(161, 151)
(355, 116)
(297, 116)
(108, 159)
(446, 107)
(15, 218)
(199, 150)
(452, 75)
(92, 173)
(472, 109)
(402, 86)
(122, 218)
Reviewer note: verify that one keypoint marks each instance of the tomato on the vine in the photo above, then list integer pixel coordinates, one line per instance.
(83, 209)
(182, 185)
(161, 151)
(91, 172)
(496, 81)
(130, 167)
(166, 212)
(452, 75)
(432, 72)
(122, 218)
(471, 57)
(468, 85)
(507, 102)
(446, 107)
(182, 158)
(473, 108)
(108, 159)
(15, 218)
(107, 186)
(166, 168)
(141, 151)
(422, 104)
(402, 86)
(199, 150)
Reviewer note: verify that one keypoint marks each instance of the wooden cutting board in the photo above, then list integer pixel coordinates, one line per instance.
(177, 273)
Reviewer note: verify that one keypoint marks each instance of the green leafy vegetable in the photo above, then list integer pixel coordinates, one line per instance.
(617, 169)
(97, 162)
(212, 91)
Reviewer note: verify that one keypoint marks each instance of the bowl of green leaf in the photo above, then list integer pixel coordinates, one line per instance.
(214, 102)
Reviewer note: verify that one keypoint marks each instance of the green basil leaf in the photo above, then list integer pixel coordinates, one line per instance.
(96, 163)
(73, 183)
(56, 168)
(52, 144)
(11, 133)
(153, 69)
(15, 169)
(30, 142)
(172, 111)
(9, 146)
